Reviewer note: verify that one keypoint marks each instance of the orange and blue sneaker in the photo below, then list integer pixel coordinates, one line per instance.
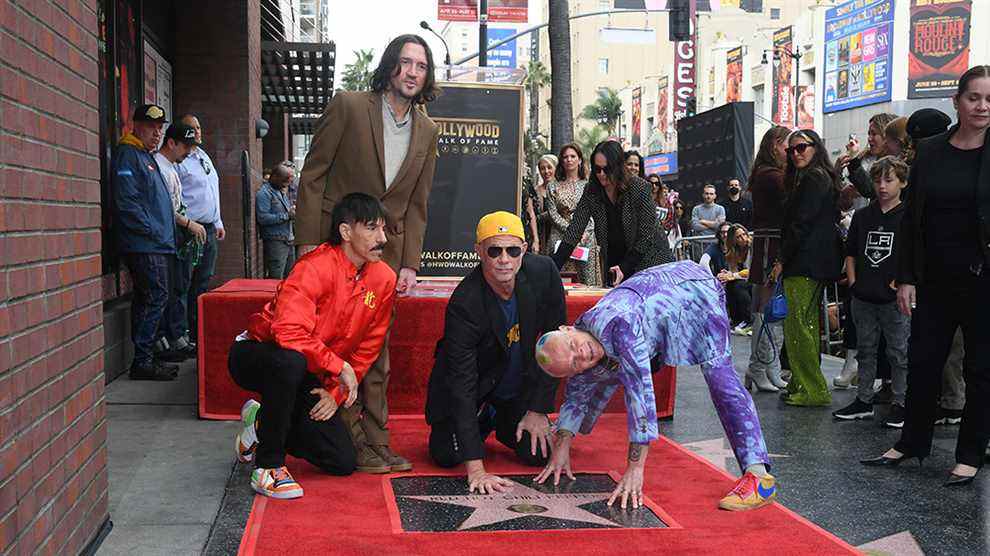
(750, 492)
(247, 439)
(275, 483)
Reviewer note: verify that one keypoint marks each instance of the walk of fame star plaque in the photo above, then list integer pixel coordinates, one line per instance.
(440, 503)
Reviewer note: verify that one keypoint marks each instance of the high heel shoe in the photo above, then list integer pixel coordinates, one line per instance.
(761, 382)
(884, 461)
(776, 380)
(960, 480)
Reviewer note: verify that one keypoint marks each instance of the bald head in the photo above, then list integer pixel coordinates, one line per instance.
(568, 351)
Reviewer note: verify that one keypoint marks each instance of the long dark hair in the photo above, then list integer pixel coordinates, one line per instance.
(975, 72)
(765, 157)
(735, 253)
(820, 162)
(560, 173)
(615, 164)
(642, 165)
(389, 66)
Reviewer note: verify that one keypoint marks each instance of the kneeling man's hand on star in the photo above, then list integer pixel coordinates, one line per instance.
(538, 427)
(483, 481)
(560, 460)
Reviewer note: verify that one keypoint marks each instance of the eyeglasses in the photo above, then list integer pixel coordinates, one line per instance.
(495, 251)
(599, 169)
(799, 148)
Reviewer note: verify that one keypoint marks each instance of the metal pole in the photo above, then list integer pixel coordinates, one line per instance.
(483, 33)
(246, 212)
(797, 84)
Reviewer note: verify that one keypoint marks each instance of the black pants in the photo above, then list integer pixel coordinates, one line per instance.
(503, 418)
(284, 425)
(739, 301)
(941, 308)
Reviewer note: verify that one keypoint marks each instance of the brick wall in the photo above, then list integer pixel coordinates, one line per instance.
(53, 437)
(218, 78)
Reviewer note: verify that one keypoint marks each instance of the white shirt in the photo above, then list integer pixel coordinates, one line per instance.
(172, 181)
(200, 188)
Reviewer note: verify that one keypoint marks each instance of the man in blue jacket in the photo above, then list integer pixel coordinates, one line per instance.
(275, 213)
(144, 224)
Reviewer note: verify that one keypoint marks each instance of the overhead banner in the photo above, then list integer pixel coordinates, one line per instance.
(939, 50)
(457, 10)
(637, 116)
(505, 55)
(663, 108)
(508, 11)
(684, 70)
(782, 103)
(733, 75)
(858, 37)
(479, 170)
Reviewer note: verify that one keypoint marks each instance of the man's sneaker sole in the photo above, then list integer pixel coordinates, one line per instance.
(894, 425)
(375, 469)
(284, 495)
(249, 413)
(948, 421)
(853, 416)
(244, 455)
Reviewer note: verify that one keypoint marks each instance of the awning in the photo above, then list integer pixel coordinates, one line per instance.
(296, 78)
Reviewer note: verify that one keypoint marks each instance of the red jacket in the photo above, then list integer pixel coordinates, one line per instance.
(330, 313)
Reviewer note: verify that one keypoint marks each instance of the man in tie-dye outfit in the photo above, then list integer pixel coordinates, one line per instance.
(673, 314)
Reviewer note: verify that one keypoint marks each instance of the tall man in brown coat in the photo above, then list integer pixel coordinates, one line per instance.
(381, 143)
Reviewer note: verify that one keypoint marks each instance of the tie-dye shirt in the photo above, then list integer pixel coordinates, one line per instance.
(674, 313)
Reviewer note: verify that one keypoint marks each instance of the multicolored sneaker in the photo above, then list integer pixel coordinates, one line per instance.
(275, 483)
(750, 492)
(247, 439)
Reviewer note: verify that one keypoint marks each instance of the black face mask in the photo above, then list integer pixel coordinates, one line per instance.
(734, 190)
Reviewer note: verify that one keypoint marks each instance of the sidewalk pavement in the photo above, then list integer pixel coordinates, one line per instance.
(168, 469)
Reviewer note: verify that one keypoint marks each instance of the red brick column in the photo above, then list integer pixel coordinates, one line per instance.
(217, 76)
(53, 429)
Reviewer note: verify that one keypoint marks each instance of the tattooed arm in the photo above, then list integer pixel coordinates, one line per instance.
(630, 487)
(637, 453)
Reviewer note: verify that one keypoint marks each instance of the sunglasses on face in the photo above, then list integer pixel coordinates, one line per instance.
(599, 170)
(799, 148)
(495, 251)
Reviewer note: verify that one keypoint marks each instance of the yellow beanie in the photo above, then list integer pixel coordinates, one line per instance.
(500, 223)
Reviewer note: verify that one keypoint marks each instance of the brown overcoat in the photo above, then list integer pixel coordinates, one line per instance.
(347, 155)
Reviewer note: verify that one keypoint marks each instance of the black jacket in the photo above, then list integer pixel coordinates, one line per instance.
(810, 242)
(472, 354)
(872, 241)
(924, 176)
(639, 222)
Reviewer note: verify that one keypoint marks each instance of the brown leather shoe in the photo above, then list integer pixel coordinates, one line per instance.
(368, 461)
(395, 461)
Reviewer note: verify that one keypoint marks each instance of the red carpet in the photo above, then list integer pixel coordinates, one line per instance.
(351, 515)
(417, 327)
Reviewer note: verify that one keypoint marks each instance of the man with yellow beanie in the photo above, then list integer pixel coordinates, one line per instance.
(485, 378)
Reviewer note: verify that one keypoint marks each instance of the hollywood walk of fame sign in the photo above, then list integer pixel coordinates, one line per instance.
(441, 503)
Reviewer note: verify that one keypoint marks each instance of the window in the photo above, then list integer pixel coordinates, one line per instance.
(774, 13)
(603, 66)
(604, 4)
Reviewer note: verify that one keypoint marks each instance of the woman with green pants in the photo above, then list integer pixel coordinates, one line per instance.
(810, 258)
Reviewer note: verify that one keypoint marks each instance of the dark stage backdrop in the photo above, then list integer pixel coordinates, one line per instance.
(714, 147)
(478, 170)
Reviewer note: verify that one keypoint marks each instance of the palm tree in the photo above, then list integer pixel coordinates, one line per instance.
(357, 74)
(606, 110)
(536, 76)
(589, 137)
(561, 111)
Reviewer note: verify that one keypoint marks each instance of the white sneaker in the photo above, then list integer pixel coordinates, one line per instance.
(247, 439)
(275, 483)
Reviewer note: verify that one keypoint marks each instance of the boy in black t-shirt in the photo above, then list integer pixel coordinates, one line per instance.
(871, 265)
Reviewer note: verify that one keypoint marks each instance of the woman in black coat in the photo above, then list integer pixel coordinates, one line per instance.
(943, 277)
(625, 218)
(810, 257)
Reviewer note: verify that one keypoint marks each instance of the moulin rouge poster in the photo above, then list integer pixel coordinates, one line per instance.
(939, 50)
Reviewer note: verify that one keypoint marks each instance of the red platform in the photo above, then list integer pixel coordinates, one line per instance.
(223, 314)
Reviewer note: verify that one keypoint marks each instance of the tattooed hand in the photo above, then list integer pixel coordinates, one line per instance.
(630, 488)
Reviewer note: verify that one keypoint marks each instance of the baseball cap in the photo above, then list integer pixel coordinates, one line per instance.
(927, 122)
(500, 223)
(181, 133)
(150, 113)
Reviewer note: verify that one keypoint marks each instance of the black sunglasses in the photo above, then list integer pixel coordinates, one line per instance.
(495, 251)
(597, 169)
(799, 148)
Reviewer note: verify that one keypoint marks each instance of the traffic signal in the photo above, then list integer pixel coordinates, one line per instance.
(679, 26)
(691, 106)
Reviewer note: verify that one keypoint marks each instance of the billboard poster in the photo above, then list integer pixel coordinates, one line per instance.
(505, 55)
(637, 116)
(479, 157)
(684, 70)
(733, 75)
(457, 10)
(939, 49)
(858, 53)
(508, 11)
(663, 108)
(782, 104)
(663, 164)
(806, 106)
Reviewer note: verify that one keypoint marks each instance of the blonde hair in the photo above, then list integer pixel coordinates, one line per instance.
(552, 159)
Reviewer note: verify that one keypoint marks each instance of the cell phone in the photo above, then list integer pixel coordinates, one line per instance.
(852, 136)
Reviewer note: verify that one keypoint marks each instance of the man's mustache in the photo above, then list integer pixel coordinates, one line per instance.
(379, 247)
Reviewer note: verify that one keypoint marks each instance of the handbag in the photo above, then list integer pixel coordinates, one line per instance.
(776, 309)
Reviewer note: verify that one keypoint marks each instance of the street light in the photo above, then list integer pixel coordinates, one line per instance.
(793, 55)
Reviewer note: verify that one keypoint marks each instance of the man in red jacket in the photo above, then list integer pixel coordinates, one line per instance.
(308, 349)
